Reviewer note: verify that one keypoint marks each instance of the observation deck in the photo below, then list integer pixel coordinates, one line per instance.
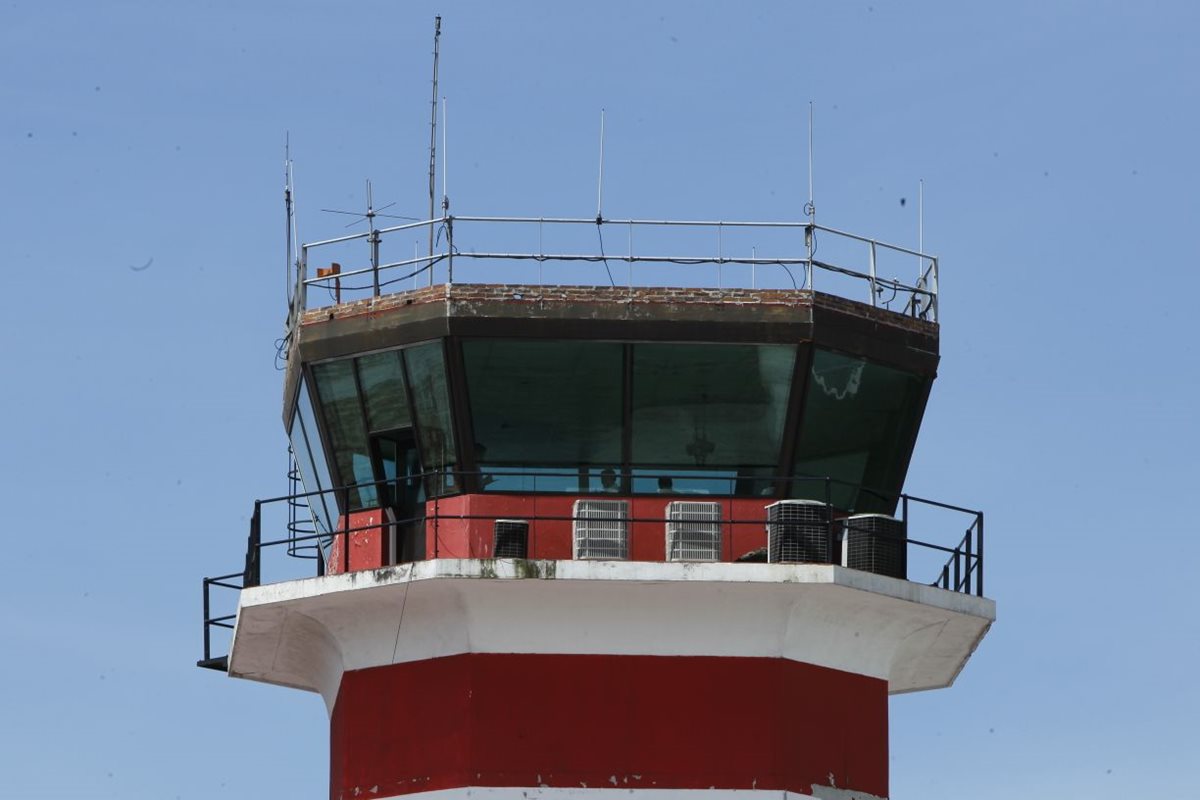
(432, 401)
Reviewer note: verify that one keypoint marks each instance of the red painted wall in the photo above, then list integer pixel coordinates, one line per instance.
(461, 526)
(645, 721)
(368, 543)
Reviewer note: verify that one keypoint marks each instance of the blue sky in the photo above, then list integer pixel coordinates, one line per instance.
(139, 414)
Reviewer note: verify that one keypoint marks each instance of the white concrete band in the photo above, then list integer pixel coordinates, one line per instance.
(305, 633)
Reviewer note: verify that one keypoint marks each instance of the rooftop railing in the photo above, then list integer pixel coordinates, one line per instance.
(622, 253)
(948, 553)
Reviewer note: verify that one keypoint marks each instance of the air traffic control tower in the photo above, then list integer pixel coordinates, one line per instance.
(578, 522)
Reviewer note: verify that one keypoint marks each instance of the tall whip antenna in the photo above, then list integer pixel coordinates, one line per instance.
(287, 209)
(810, 208)
(445, 162)
(437, 35)
(600, 182)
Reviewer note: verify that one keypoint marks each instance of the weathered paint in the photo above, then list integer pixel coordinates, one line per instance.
(609, 793)
(461, 526)
(307, 633)
(368, 543)
(627, 722)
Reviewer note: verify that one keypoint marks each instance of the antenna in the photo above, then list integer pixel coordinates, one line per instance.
(437, 35)
(600, 182)
(810, 209)
(373, 238)
(445, 160)
(287, 208)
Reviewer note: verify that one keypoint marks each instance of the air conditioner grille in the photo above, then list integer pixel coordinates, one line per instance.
(510, 538)
(601, 529)
(875, 543)
(693, 531)
(798, 531)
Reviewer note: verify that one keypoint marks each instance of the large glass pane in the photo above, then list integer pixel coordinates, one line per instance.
(700, 406)
(384, 395)
(431, 406)
(545, 403)
(858, 420)
(342, 412)
(310, 458)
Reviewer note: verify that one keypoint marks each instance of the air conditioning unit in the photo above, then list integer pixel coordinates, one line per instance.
(510, 538)
(601, 529)
(798, 531)
(875, 543)
(693, 531)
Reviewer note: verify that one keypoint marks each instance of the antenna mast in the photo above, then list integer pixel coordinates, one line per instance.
(600, 181)
(810, 209)
(437, 35)
(287, 207)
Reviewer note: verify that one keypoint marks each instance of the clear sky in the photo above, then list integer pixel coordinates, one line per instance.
(140, 408)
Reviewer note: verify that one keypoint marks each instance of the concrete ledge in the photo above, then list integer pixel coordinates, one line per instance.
(305, 633)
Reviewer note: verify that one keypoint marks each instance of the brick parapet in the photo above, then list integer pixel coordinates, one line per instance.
(517, 294)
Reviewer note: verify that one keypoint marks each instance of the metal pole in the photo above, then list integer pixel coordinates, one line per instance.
(251, 574)
(449, 251)
(207, 637)
(346, 531)
(437, 35)
(600, 181)
(872, 273)
(302, 290)
(970, 564)
(979, 555)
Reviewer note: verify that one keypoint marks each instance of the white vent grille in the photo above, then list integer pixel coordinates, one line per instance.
(798, 531)
(693, 531)
(601, 529)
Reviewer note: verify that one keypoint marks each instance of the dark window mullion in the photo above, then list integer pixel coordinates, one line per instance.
(627, 418)
(324, 437)
(464, 437)
(797, 396)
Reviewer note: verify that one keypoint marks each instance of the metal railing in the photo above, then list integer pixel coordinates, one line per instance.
(960, 571)
(722, 254)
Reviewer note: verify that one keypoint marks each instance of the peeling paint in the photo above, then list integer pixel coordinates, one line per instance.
(834, 793)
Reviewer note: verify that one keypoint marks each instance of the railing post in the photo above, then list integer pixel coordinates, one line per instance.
(970, 561)
(207, 635)
(979, 554)
(936, 290)
(872, 272)
(958, 568)
(375, 258)
(829, 520)
(252, 573)
(449, 251)
(302, 287)
(346, 531)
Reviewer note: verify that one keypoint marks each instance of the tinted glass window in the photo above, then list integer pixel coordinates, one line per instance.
(859, 418)
(342, 414)
(703, 406)
(431, 404)
(384, 395)
(310, 458)
(545, 403)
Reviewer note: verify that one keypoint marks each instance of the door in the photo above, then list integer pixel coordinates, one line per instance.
(402, 496)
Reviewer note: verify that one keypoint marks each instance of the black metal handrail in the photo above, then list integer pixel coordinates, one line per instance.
(962, 571)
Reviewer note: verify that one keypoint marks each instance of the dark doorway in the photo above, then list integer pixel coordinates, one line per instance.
(402, 496)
